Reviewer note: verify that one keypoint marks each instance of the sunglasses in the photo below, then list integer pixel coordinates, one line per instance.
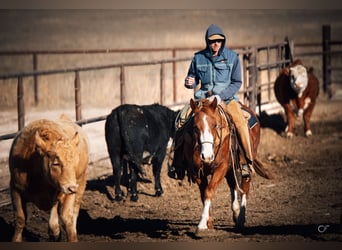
(215, 41)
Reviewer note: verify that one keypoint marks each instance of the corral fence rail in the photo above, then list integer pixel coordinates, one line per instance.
(329, 51)
(260, 65)
(249, 69)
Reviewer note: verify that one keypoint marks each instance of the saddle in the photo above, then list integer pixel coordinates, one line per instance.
(185, 115)
(250, 116)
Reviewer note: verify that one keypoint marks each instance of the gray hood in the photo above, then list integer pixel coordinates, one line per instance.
(212, 30)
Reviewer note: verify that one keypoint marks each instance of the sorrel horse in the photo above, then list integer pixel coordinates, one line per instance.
(210, 148)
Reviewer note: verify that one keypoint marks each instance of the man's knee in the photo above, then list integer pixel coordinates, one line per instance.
(237, 117)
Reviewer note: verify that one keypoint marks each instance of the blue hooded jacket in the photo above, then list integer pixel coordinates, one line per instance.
(219, 74)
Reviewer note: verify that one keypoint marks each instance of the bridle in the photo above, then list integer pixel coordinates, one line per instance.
(218, 139)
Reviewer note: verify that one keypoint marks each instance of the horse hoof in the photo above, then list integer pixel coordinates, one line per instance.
(308, 133)
(55, 238)
(173, 174)
(134, 197)
(159, 192)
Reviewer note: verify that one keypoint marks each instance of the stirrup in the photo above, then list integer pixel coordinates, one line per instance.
(245, 171)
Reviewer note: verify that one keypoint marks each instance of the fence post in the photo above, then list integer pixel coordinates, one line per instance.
(252, 68)
(20, 103)
(35, 78)
(174, 75)
(122, 85)
(162, 75)
(245, 62)
(326, 60)
(288, 51)
(78, 96)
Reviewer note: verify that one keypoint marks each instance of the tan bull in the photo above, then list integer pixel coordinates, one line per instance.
(48, 165)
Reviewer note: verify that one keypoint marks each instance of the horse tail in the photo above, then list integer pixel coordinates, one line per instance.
(262, 170)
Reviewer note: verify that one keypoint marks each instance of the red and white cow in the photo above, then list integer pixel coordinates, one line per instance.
(296, 89)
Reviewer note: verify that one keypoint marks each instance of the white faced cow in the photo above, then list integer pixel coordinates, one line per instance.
(48, 163)
(297, 88)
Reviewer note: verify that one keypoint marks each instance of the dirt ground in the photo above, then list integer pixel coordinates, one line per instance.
(302, 204)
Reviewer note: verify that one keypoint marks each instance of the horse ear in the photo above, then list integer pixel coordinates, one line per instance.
(193, 105)
(214, 103)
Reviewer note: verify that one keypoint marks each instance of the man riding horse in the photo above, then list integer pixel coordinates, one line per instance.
(217, 69)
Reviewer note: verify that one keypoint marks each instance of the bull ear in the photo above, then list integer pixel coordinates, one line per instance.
(193, 105)
(76, 139)
(285, 71)
(39, 141)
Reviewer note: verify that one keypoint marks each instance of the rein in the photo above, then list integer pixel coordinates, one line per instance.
(232, 135)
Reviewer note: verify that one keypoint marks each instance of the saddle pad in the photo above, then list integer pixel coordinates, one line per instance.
(252, 119)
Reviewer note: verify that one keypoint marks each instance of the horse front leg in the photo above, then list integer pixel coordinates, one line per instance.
(235, 205)
(207, 194)
(238, 208)
(241, 219)
(202, 184)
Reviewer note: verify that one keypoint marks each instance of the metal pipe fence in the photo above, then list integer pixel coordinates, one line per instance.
(250, 70)
(260, 64)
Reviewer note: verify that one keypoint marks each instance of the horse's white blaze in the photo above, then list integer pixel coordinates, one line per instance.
(205, 215)
(207, 141)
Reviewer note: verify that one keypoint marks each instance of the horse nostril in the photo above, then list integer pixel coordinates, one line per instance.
(202, 157)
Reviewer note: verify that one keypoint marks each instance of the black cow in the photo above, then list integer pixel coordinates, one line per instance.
(137, 135)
